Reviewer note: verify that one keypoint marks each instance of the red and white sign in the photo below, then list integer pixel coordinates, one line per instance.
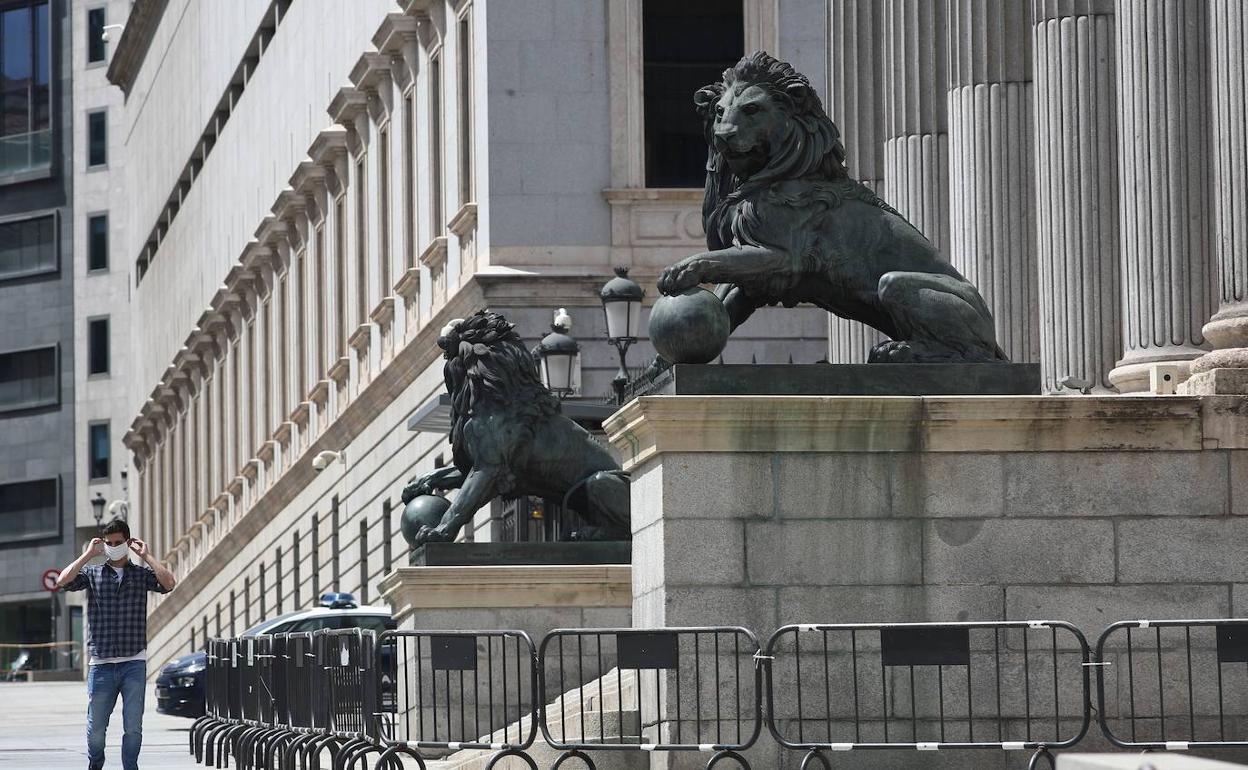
(49, 579)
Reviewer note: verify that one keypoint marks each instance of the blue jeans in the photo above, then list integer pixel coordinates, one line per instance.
(104, 682)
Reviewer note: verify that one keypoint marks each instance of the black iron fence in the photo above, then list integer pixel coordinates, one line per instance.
(288, 700)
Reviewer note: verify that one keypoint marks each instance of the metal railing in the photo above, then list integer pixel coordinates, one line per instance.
(1021, 685)
(692, 689)
(1174, 679)
(287, 699)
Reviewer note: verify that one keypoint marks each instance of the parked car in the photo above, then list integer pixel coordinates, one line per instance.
(181, 687)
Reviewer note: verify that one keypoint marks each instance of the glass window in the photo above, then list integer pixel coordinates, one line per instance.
(97, 346)
(28, 379)
(28, 246)
(97, 242)
(465, 107)
(435, 143)
(30, 510)
(685, 46)
(97, 138)
(98, 451)
(95, 35)
(25, 89)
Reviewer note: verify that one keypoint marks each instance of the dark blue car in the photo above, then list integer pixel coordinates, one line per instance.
(180, 688)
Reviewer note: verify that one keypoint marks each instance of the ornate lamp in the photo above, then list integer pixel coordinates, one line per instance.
(557, 357)
(621, 303)
(97, 509)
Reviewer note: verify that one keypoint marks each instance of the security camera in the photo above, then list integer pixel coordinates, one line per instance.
(323, 459)
(106, 35)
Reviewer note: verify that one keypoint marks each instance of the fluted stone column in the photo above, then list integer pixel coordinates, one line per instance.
(992, 195)
(855, 103)
(916, 139)
(1225, 370)
(1076, 138)
(1163, 101)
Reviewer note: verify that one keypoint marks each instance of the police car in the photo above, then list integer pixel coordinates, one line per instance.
(180, 688)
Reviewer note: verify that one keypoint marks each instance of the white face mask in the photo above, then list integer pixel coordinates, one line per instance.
(115, 552)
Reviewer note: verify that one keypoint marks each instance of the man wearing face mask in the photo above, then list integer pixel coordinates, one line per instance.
(117, 644)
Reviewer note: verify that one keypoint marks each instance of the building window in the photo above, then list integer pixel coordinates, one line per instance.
(361, 241)
(28, 379)
(98, 451)
(28, 247)
(383, 211)
(340, 274)
(97, 242)
(30, 510)
(97, 138)
(685, 46)
(465, 107)
(435, 143)
(95, 35)
(97, 346)
(25, 90)
(409, 181)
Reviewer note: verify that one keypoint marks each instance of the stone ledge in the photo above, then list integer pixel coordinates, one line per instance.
(409, 589)
(651, 425)
(1134, 761)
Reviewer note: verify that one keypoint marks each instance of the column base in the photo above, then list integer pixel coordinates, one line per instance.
(1228, 328)
(1137, 373)
(1220, 372)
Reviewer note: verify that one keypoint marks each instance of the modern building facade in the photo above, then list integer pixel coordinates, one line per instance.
(38, 494)
(315, 188)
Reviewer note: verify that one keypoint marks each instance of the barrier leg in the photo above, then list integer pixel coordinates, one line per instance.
(1043, 751)
(574, 753)
(391, 754)
(511, 753)
(809, 760)
(726, 754)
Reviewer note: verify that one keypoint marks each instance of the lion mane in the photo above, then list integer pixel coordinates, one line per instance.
(810, 149)
(487, 368)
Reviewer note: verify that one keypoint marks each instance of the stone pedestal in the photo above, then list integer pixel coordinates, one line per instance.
(1077, 192)
(1164, 206)
(764, 511)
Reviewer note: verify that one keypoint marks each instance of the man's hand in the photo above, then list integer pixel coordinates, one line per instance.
(94, 548)
(140, 548)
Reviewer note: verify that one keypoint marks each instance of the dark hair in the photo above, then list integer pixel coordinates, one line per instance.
(117, 525)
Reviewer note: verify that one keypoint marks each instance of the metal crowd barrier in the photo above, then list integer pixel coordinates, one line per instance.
(1173, 687)
(687, 689)
(287, 699)
(461, 690)
(928, 686)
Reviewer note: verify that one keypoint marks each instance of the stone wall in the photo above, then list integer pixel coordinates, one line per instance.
(952, 509)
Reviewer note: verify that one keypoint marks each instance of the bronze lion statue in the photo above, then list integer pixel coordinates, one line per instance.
(785, 224)
(508, 438)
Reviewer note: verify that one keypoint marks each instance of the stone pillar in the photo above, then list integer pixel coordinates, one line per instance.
(855, 103)
(1225, 370)
(1163, 101)
(916, 138)
(992, 198)
(1077, 192)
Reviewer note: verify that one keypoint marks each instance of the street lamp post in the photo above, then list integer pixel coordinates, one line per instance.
(556, 356)
(621, 303)
(97, 509)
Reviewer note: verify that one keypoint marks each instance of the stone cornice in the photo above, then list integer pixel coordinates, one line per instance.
(464, 221)
(651, 425)
(346, 106)
(434, 255)
(408, 285)
(135, 40)
(410, 589)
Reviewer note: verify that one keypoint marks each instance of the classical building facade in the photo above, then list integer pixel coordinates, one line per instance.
(315, 188)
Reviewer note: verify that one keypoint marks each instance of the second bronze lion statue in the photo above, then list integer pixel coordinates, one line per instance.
(785, 224)
(509, 438)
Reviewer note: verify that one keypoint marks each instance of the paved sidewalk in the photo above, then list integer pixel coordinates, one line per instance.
(43, 725)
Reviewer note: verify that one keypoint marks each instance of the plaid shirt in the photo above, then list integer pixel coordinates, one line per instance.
(116, 612)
